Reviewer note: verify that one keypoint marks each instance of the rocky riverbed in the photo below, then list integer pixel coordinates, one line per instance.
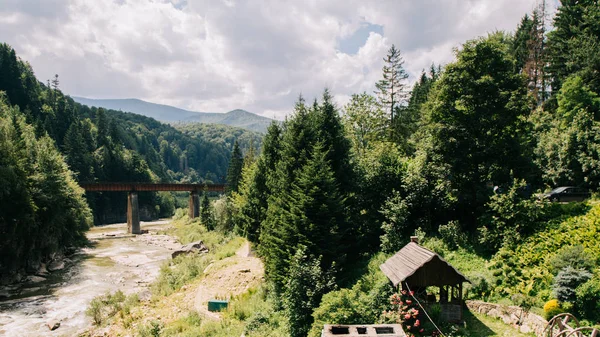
(58, 300)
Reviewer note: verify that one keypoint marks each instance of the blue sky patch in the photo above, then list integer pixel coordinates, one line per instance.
(351, 44)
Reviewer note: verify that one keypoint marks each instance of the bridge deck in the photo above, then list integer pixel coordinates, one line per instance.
(143, 187)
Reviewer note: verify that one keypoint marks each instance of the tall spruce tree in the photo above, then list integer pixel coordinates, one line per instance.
(234, 172)
(207, 216)
(574, 43)
(391, 89)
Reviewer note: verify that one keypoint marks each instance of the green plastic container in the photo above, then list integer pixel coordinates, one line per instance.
(217, 305)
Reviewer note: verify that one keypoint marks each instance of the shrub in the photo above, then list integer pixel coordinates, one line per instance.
(572, 256)
(480, 288)
(453, 235)
(567, 280)
(395, 225)
(180, 213)
(405, 312)
(152, 329)
(588, 300)
(552, 308)
(103, 307)
(510, 217)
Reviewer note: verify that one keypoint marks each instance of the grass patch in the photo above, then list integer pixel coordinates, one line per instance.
(251, 313)
(477, 325)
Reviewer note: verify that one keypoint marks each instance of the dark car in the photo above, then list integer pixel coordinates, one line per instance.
(567, 193)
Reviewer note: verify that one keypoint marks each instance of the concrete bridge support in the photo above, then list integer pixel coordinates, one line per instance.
(194, 205)
(133, 214)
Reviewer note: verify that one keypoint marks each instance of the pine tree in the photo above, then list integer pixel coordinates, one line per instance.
(391, 89)
(207, 217)
(521, 44)
(535, 65)
(574, 43)
(234, 172)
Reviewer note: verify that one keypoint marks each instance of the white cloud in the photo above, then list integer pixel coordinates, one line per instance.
(220, 55)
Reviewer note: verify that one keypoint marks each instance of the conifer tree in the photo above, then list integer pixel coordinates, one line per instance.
(206, 212)
(391, 89)
(234, 172)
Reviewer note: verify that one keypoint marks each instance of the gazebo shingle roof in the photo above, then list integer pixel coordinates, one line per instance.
(426, 267)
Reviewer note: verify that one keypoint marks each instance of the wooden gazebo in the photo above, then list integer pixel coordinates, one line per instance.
(417, 268)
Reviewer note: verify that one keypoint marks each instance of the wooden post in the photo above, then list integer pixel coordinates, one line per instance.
(194, 205)
(133, 213)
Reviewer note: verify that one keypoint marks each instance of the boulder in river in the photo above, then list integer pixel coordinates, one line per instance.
(56, 265)
(35, 279)
(42, 271)
(53, 325)
(197, 247)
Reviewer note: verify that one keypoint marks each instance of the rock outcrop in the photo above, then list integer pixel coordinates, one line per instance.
(197, 247)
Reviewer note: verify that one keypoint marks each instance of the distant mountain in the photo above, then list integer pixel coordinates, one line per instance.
(166, 113)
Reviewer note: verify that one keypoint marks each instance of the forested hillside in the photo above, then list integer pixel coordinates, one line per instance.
(459, 158)
(109, 145)
(97, 145)
(223, 135)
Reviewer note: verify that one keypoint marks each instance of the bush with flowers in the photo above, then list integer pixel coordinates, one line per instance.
(405, 312)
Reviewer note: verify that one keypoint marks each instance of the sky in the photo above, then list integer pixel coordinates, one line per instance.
(220, 55)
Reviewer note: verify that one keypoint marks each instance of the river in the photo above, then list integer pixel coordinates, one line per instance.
(116, 260)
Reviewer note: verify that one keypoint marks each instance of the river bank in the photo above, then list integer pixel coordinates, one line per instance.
(116, 260)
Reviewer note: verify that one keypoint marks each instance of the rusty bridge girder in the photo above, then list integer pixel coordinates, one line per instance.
(132, 189)
(150, 187)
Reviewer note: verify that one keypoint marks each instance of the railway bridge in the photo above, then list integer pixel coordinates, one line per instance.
(132, 189)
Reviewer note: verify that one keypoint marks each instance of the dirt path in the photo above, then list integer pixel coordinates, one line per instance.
(227, 278)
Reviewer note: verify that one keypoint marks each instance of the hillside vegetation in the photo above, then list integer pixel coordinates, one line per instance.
(52, 143)
(461, 161)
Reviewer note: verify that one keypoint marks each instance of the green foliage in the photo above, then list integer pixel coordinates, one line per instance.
(573, 44)
(395, 227)
(312, 193)
(511, 216)
(453, 235)
(150, 329)
(234, 172)
(527, 269)
(361, 304)
(567, 150)
(365, 122)
(306, 284)
(184, 268)
(381, 170)
(207, 217)
(43, 211)
(572, 256)
(566, 282)
(106, 306)
(474, 116)
(588, 299)
(391, 88)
